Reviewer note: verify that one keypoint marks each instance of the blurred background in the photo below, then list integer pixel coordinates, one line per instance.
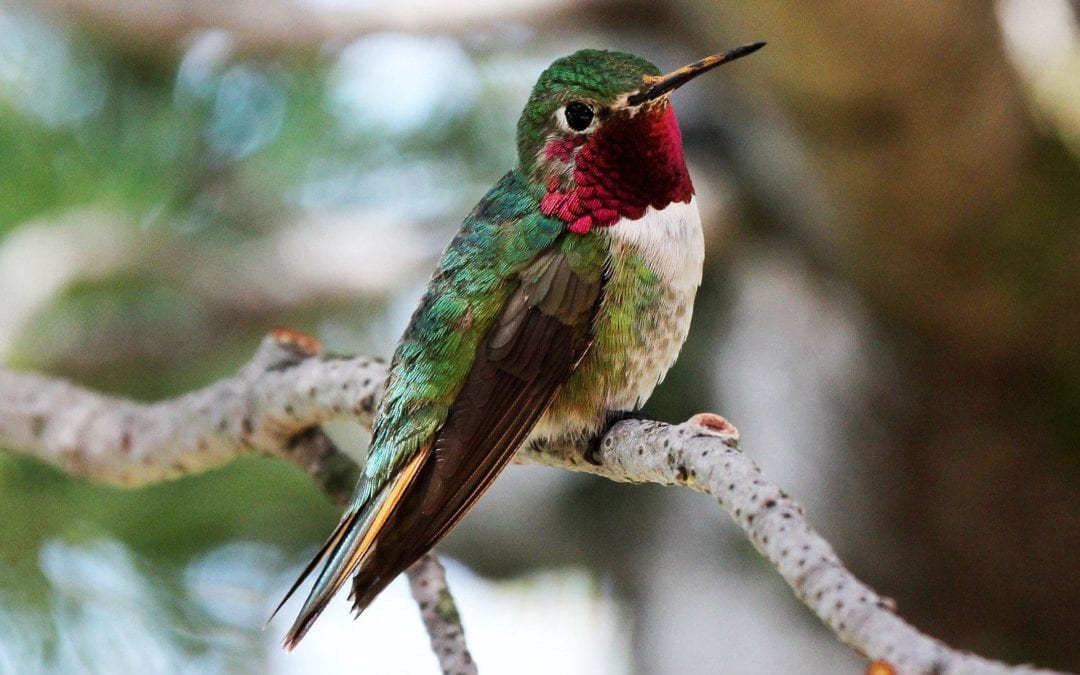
(890, 315)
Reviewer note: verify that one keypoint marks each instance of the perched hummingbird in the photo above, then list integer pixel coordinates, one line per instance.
(557, 308)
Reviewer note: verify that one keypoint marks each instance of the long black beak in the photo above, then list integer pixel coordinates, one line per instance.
(658, 86)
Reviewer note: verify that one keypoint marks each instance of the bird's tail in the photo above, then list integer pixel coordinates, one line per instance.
(350, 544)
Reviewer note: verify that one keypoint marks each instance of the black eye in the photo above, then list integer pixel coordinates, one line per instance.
(578, 115)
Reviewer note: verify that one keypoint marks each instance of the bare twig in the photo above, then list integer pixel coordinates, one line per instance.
(274, 403)
(286, 389)
(427, 581)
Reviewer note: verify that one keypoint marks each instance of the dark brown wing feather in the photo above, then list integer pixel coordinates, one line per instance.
(542, 333)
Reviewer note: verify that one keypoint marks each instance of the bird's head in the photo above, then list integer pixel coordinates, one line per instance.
(598, 139)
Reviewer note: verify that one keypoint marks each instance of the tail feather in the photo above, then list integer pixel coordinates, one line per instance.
(340, 541)
(348, 547)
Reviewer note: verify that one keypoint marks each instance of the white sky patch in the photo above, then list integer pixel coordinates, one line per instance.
(107, 611)
(42, 74)
(201, 66)
(333, 252)
(796, 359)
(547, 623)
(400, 84)
(39, 259)
(1043, 39)
(1038, 32)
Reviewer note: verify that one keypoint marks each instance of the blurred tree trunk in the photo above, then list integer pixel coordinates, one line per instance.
(960, 225)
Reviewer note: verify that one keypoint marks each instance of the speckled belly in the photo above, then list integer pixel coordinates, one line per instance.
(655, 270)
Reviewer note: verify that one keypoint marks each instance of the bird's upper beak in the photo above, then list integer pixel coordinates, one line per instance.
(657, 86)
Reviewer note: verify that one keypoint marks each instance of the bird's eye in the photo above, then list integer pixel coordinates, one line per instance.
(578, 115)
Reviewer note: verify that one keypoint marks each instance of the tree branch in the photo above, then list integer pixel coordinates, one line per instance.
(703, 454)
(427, 581)
(276, 401)
(281, 392)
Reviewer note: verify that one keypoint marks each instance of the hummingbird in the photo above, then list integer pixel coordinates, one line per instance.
(556, 309)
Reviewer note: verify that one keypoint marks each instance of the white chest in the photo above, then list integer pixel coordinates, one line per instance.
(671, 243)
(643, 324)
(670, 240)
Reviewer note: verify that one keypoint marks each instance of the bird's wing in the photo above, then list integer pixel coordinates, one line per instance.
(542, 331)
(541, 334)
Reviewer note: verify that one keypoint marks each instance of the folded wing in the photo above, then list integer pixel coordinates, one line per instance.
(541, 333)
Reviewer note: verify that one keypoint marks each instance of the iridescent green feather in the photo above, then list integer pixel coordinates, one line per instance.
(631, 295)
(506, 255)
(476, 275)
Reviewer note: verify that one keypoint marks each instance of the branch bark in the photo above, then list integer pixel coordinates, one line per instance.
(276, 402)
(427, 581)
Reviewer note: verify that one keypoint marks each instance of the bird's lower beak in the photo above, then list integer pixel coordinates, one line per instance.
(657, 86)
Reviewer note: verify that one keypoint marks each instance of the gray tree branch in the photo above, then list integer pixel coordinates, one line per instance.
(274, 403)
(277, 400)
(427, 581)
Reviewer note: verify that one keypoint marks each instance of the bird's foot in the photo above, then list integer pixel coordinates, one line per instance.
(592, 450)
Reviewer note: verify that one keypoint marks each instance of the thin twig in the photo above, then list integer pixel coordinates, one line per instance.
(427, 581)
(274, 403)
(287, 388)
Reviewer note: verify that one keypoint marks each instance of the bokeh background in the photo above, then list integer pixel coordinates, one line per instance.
(890, 315)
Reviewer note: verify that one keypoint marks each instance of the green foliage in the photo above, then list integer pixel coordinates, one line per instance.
(205, 157)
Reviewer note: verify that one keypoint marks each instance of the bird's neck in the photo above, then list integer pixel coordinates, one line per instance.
(631, 163)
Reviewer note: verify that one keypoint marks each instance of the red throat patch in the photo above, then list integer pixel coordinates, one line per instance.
(627, 165)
